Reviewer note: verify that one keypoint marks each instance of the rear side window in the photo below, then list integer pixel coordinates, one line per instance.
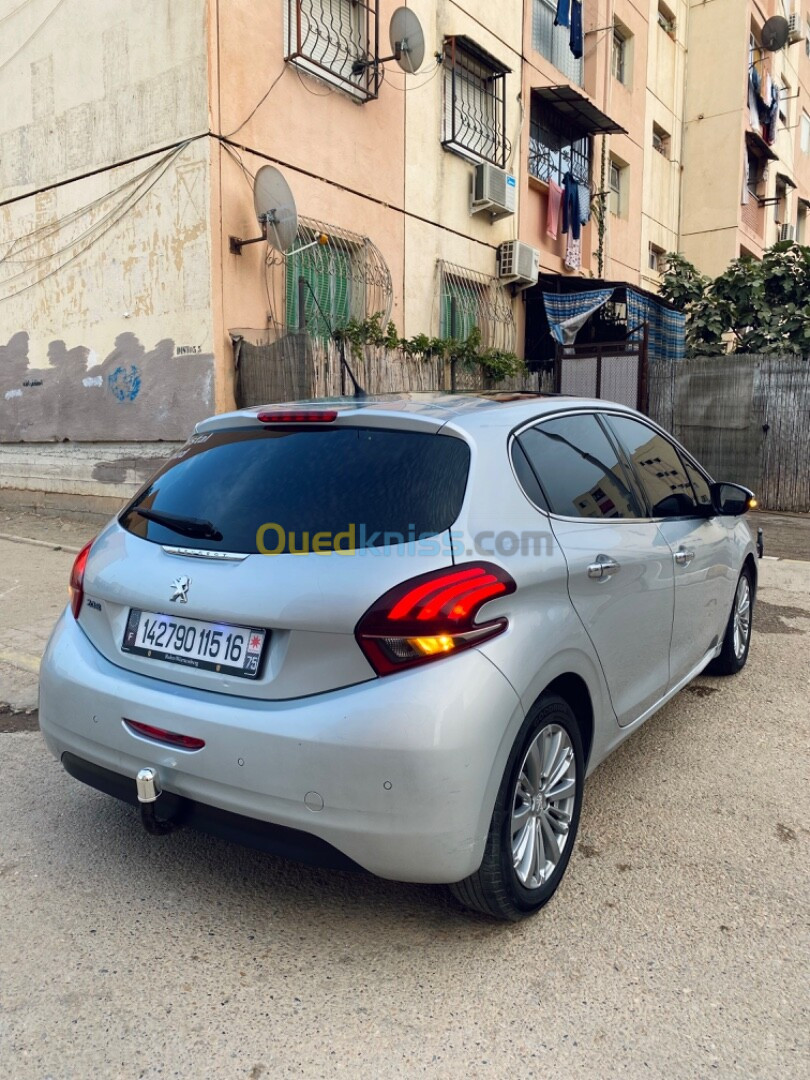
(358, 487)
(579, 469)
(659, 467)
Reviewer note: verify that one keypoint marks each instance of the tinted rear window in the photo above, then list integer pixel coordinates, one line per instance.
(380, 487)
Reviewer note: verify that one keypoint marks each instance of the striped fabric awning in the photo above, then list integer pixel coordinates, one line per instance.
(666, 328)
(568, 312)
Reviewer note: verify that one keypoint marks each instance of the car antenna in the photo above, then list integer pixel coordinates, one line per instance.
(359, 392)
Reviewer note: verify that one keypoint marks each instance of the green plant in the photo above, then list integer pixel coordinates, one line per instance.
(755, 306)
(497, 364)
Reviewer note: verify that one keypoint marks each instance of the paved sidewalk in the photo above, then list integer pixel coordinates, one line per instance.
(676, 948)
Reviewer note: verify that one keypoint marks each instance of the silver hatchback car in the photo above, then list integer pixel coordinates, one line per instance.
(397, 632)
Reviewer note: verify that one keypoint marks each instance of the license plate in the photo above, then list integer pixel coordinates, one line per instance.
(231, 650)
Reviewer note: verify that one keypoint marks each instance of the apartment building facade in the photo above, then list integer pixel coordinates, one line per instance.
(746, 180)
(130, 145)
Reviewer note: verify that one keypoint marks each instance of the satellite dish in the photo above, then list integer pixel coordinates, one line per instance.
(408, 40)
(775, 33)
(275, 208)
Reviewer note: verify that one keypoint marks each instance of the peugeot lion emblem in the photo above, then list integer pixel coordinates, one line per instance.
(180, 589)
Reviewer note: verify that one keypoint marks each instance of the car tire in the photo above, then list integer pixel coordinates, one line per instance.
(737, 639)
(536, 817)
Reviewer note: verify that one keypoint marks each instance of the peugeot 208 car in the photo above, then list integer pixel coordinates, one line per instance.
(397, 633)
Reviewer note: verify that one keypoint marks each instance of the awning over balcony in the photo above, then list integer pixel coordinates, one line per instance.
(578, 110)
(757, 145)
(786, 180)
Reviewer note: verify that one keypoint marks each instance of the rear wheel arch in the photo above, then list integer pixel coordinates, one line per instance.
(574, 690)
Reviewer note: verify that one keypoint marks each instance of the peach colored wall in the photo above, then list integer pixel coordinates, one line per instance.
(378, 169)
(344, 161)
(438, 223)
(715, 224)
(626, 105)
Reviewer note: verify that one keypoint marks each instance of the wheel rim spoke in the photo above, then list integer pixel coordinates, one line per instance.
(565, 788)
(742, 617)
(543, 805)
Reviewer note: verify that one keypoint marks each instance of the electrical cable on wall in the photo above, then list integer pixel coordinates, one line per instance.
(124, 207)
(33, 33)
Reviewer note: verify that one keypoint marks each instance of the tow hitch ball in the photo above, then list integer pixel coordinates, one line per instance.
(147, 785)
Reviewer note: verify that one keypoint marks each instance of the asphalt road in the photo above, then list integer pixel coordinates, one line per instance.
(677, 945)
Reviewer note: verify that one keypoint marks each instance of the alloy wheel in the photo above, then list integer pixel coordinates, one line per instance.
(742, 617)
(543, 806)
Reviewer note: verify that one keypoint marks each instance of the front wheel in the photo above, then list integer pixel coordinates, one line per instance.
(535, 820)
(737, 639)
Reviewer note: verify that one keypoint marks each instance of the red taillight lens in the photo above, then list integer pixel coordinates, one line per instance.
(76, 586)
(432, 616)
(315, 416)
(183, 742)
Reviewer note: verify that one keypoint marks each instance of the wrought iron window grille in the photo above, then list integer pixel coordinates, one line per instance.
(336, 40)
(474, 103)
(347, 278)
(556, 148)
(470, 299)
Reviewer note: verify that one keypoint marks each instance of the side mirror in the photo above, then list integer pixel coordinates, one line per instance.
(732, 500)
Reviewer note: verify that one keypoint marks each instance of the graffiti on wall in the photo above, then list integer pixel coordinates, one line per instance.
(133, 393)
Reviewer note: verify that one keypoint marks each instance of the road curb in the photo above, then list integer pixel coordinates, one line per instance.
(39, 543)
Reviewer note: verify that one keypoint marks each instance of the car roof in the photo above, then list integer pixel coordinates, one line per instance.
(429, 409)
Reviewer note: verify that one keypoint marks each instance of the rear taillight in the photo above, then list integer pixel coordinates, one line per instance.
(432, 616)
(76, 586)
(312, 416)
(182, 742)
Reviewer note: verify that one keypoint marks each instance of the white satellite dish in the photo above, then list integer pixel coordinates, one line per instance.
(274, 204)
(407, 40)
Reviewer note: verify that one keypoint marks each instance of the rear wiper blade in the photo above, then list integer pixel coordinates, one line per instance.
(186, 526)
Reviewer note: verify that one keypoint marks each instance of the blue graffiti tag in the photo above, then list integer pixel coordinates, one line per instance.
(125, 384)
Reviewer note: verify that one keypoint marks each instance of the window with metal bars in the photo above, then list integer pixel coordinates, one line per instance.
(336, 40)
(554, 42)
(469, 300)
(474, 121)
(557, 147)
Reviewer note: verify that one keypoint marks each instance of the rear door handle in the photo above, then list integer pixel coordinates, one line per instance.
(683, 556)
(603, 568)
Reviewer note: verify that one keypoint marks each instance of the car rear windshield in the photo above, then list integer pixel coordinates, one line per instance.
(299, 490)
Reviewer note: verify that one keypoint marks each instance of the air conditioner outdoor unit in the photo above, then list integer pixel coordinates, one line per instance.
(518, 264)
(787, 232)
(493, 190)
(795, 29)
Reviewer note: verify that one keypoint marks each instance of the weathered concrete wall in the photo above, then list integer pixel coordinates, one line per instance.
(105, 281)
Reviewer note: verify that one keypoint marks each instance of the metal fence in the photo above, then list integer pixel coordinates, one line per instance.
(746, 418)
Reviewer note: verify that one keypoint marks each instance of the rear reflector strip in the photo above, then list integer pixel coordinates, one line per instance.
(171, 738)
(316, 416)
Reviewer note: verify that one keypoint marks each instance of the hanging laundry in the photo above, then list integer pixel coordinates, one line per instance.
(562, 17)
(570, 206)
(555, 196)
(584, 203)
(753, 99)
(769, 112)
(746, 176)
(573, 253)
(576, 29)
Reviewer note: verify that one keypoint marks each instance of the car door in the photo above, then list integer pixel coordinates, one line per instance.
(680, 502)
(620, 570)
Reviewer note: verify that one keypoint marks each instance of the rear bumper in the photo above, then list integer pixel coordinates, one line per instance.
(275, 839)
(407, 767)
